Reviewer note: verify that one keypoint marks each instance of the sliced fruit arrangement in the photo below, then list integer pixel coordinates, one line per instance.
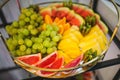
(57, 36)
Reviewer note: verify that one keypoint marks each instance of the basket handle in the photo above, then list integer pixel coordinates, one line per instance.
(118, 23)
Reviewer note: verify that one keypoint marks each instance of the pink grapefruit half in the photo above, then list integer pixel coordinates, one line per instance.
(30, 59)
(57, 64)
(73, 63)
(46, 61)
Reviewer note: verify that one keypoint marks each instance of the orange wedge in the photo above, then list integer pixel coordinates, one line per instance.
(66, 26)
(56, 20)
(48, 19)
(62, 21)
(61, 29)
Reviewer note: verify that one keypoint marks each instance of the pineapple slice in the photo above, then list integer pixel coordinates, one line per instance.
(92, 43)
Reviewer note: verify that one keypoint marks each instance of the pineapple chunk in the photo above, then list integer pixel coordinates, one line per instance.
(92, 43)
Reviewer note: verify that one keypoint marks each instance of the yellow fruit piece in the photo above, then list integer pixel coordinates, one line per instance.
(72, 37)
(78, 34)
(100, 33)
(70, 48)
(73, 53)
(67, 44)
(99, 38)
(75, 32)
(66, 57)
(93, 43)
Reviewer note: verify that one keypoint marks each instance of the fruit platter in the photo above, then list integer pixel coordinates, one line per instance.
(57, 39)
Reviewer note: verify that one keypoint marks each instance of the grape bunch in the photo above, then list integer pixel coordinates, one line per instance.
(23, 31)
(49, 39)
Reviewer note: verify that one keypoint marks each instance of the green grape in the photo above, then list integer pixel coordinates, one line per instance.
(56, 38)
(24, 10)
(59, 35)
(36, 24)
(30, 27)
(38, 40)
(35, 46)
(54, 48)
(17, 53)
(28, 51)
(50, 50)
(11, 47)
(15, 24)
(33, 39)
(39, 19)
(9, 40)
(47, 32)
(8, 28)
(53, 43)
(22, 48)
(31, 10)
(25, 32)
(48, 38)
(27, 19)
(42, 33)
(46, 43)
(42, 37)
(43, 51)
(33, 16)
(34, 31)
(15, 42)
(28, 42)
(53, 34)
(13, 31)
(22, 17)
(20, 36)
(56, 28)
(20, 41)
(32, 22)
(40, 47)
(28, 13)
(34, 51)
(22, 23)
(42, 22)
(13, 53)
(49, 27)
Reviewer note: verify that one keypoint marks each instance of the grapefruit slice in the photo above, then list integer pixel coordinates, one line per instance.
(30, 59)
(46, 61)
(55, 65)
(73, 63)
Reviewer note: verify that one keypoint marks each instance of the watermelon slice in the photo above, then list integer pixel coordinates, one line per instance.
(46, 11)
(30, 59)
(55, 65)
(48, 60)
(71, 16)
(103, 27)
